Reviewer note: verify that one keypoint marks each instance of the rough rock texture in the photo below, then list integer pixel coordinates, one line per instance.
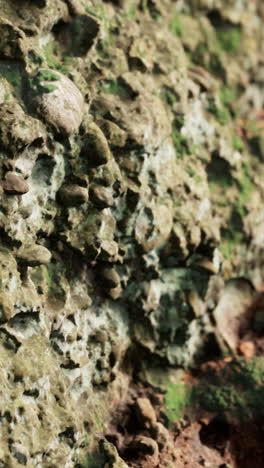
(131, 184)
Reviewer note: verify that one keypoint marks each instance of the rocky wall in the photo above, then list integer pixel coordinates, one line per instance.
(131, 179)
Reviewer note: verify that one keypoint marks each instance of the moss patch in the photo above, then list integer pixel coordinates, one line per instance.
(178, 397)
(116, 87)
(229, 38)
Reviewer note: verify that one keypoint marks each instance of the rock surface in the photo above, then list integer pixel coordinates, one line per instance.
(131, 226)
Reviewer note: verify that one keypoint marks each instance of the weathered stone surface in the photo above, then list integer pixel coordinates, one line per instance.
(101, 196)
(72, 195)
(33, 255)
(155, 110)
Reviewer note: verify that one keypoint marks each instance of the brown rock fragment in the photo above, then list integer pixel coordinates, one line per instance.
(148, 447)
(160, 434)
(110, 277)
(145, 412)
(101, 196)
(72, 195)
(14, 184)
(247, 349)
(95, 147)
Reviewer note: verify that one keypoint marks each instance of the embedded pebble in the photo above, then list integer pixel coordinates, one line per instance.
(59, 102)
(14, 184)
(33, 255)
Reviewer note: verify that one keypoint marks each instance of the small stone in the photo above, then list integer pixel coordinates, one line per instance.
(160, 434)
(247, 349)
(110, 278)
(6, 307)
(109, 251)
(146, 445)
(95, 147)
(101, 196)
(207, 264)
(73, 195)
(114, 134)
(145, 412)
(58, 100)
(115, 293)
(33, 255)
(14, 184)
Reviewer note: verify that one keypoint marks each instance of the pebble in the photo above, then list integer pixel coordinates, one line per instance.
(145, 412)
(95, 146)
(63, 105)
(72, 195)
(14, 184)
(101, 196)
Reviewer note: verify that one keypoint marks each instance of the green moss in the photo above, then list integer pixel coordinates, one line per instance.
(237, 143)
(180, 142)
(13, 74)
(97, 11)
(228, 96)
(175, 25)
(229, 38)
(116, 87)
(248, 374)
(55, 59)
(190, 171)
(178, 397)
(40, 83)
(220, 112)
(132, 9)
(246, 187)
(229, 242)
(92, 460)
(219, 399)
(237, 389)
(169, 96)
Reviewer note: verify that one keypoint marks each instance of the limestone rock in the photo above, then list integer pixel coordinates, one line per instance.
(59, 102)
(18, 130)
(33, 255)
